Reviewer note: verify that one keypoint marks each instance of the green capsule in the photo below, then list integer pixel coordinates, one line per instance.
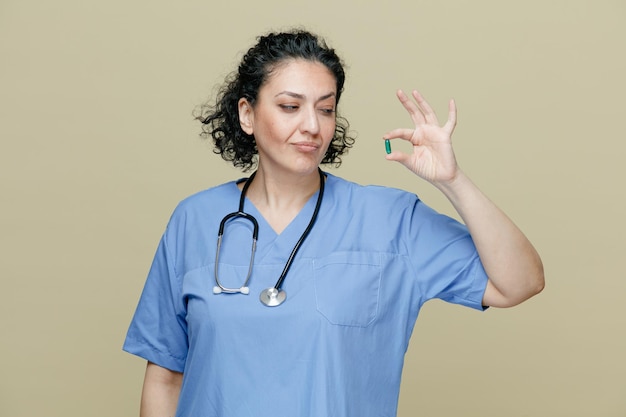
(387, 146)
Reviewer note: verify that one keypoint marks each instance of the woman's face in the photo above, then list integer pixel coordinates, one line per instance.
(293, 119)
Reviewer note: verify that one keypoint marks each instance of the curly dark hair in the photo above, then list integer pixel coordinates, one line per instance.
(221, 121)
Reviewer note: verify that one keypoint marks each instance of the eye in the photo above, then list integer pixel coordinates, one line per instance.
(289, 108)
(327, 110)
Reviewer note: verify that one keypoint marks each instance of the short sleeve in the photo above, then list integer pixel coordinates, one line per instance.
(158, 330)
(445, 258)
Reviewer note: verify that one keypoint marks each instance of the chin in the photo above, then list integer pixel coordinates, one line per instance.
(304, 166)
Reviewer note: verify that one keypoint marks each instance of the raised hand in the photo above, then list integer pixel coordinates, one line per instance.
(433, 157)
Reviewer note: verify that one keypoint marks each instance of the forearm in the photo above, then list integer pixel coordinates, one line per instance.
(161, 389)
(512, 264)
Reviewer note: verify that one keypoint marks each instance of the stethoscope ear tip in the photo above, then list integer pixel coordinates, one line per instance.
(218, 290)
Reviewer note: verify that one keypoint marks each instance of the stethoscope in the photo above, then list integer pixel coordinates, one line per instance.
(275, 295)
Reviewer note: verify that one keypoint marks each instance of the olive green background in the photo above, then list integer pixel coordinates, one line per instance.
(97, 145)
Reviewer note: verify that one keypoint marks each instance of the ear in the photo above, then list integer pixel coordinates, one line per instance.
(246, 115)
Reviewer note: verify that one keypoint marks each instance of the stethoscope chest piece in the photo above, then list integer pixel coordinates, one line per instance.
(272, 297)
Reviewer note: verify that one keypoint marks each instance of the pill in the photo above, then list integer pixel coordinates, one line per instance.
(387, 146)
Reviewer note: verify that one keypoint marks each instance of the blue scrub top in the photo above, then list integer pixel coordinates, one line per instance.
(336, 346)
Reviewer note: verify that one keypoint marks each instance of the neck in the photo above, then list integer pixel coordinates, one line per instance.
(280, 198)
(283, 190)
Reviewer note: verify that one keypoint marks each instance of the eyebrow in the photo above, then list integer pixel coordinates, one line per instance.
(302, 96)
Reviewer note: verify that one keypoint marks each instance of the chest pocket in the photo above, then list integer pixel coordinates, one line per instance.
(347, 286)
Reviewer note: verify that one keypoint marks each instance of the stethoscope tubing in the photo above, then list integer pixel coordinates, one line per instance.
(279, 283)
(255, 234)
(272, 296)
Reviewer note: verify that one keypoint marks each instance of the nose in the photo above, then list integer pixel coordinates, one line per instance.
(310, 122)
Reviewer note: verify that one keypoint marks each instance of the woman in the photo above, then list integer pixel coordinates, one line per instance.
(347, 267)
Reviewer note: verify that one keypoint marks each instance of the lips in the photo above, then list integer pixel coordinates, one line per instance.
(307, 146)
